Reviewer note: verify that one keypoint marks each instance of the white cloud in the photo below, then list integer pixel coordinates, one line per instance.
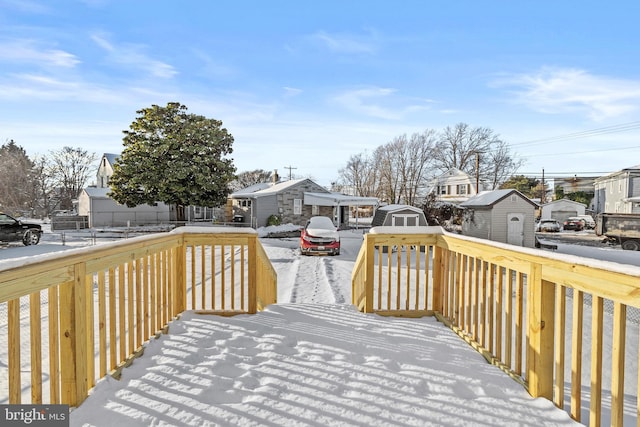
(343, 43)
(377, 102)
(29, 51)
(132, 56)
(563, 90)
(291, 91)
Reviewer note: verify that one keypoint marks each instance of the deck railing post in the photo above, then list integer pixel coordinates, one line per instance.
(179, 282)
(540, 359)
(368, 273)
(438, 282)
(252, 290)
(73, 338)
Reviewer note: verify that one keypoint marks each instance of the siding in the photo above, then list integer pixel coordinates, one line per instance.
(499, 218)
(480, 227)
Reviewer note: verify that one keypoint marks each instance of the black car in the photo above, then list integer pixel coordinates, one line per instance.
(13, 230)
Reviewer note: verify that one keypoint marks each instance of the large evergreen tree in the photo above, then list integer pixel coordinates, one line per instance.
(174, 157)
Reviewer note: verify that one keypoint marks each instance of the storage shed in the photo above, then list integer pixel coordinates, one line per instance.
(506, 216)
(399, 215)
(562, 209)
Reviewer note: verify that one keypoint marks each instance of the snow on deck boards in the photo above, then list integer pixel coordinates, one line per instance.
(312, 365)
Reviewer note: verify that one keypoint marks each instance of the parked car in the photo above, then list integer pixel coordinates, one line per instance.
(589, 222)
(573, 223)
(13, 230)
(320, 236)
(548, 226)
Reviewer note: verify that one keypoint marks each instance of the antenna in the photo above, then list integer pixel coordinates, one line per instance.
(289, 167)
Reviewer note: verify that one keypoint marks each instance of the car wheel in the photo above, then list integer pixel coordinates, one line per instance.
(31, 238)
(631, 245)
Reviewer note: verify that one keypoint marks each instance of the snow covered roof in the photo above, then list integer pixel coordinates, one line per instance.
(397, 207)
(96, 192)
(268, 190)
(251, 189)
(490, 198)
(564, 201)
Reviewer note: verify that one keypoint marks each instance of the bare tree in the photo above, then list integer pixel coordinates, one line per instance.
(249, 178)
(16, 180)
(359, 175)
(477, 151)
(498, 165)
(70, 169)
(44, 189)
(414, 156)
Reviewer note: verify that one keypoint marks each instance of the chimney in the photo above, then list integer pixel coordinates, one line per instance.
(274, 177)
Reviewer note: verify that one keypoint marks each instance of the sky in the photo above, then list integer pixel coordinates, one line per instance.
(303, 86)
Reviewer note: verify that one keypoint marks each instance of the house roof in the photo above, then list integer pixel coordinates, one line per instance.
(269, 190)
(95, 192)
(490, 198)
(564, 201)
(111, 158)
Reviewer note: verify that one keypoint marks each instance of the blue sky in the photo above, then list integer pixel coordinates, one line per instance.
(307, 84)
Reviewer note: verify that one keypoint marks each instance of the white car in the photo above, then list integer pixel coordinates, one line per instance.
(589, 222)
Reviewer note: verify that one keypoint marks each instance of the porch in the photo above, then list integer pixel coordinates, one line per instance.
(517, 307)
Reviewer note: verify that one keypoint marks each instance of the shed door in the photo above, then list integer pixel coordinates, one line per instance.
(515, 229)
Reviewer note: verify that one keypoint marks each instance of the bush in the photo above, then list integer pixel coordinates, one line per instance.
(274, 220)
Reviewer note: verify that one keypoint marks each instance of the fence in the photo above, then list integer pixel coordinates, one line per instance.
(76, 316)
(561, 325)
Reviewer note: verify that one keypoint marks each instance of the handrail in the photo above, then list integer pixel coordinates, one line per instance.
(518, 307)
(108, 300)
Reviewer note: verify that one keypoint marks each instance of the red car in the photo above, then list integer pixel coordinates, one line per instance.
(573, 223)
(320, 236)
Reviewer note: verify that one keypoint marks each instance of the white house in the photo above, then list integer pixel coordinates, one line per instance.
(455, 186)
(562, 209)
(618, 192)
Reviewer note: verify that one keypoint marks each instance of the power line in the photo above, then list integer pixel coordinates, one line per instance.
(623, 127)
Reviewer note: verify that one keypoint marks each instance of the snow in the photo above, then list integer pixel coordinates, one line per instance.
(310, 360)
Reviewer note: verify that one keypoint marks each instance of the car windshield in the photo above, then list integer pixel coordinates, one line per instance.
(321, 222)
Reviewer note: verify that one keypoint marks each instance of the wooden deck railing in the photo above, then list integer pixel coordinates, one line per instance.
(566, 327)
(72, 317)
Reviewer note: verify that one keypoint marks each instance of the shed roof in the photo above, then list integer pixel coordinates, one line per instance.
(489, 198)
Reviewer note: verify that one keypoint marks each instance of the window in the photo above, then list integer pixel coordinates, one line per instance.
(315, 210)
(462, 189)
(297, 206)
(245, 203)
(442, 189)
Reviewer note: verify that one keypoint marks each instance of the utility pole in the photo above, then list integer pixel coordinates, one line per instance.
(542, 196)
(289, 167)
(477, 172)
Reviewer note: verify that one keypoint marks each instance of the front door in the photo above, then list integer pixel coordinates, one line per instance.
(515, 229)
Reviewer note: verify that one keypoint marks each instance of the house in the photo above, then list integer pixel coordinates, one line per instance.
(455, 186)
(618, 192)
(399, 215)
(562, 209)
(293, 201)
(103, 211)
(506, 216)
(95, 203)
